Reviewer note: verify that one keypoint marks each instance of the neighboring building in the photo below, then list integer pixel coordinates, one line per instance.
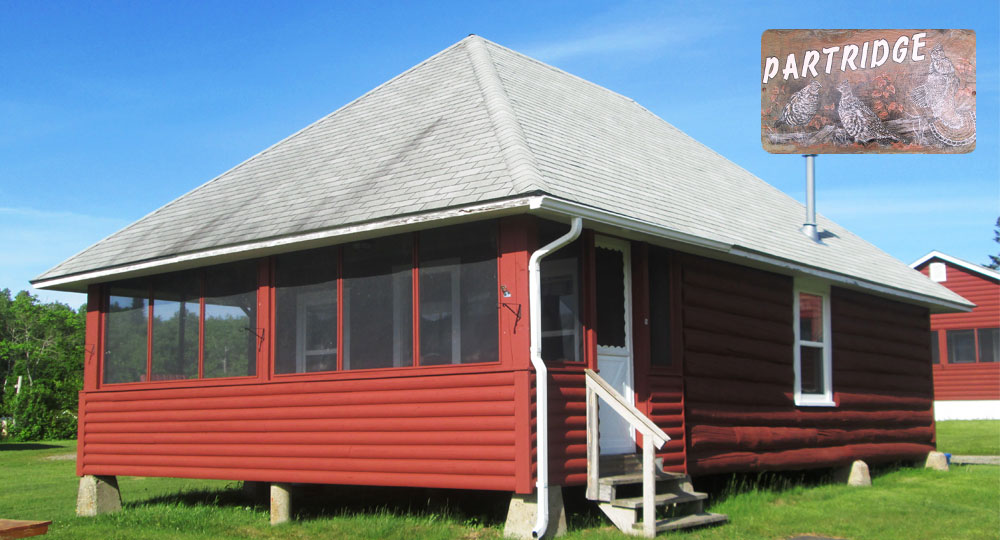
(965, 346)
(354, 304)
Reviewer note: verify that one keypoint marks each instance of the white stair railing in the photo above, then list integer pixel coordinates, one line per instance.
(652, 437)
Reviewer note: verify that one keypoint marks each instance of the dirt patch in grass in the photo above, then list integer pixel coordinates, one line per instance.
(61, 457)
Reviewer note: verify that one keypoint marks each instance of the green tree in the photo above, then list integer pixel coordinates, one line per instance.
(42, 344)
(995, 259)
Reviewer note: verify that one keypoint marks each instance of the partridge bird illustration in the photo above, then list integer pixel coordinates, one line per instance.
(858, 119)
(937, 96)
(801, 107)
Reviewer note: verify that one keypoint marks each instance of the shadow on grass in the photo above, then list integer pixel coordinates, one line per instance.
(311, 501)
(28, 446)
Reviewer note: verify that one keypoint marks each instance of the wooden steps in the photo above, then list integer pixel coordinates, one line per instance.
(619, 495)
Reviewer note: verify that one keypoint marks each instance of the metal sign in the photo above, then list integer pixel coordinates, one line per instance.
(868, 91)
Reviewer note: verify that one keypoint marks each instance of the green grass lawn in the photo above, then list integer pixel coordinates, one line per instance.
(969, 437)
(38, 482)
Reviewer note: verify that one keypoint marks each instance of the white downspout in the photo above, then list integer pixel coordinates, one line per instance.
(541, 373)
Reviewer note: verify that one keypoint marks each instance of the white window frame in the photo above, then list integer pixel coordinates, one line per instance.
(824, 399)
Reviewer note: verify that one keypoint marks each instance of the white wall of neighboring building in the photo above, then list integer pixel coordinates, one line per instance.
(967, 410)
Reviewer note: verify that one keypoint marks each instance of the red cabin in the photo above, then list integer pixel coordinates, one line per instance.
(357, 305)
(965, 346)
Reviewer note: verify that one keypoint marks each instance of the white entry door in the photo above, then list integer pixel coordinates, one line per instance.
(614, 338)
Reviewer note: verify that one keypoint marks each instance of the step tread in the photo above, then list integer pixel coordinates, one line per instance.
(684, 522)
(636, 478)
(661, 499)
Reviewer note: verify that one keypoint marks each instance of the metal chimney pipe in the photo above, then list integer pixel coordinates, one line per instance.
(809, 228)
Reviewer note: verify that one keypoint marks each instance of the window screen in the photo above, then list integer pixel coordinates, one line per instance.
(989, 344)
(458, 295)
(561, 286)
(306, 311)
(611, 316)
(231, 320)
(176, 313)
(126, 328)
(378, 308)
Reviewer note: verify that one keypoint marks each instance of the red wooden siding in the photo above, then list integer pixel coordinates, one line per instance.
(567, 427)
(738, 356)
(665, 407)
(452, 431)
(975, 381)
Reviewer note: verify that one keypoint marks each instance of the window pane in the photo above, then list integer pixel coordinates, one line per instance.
(810, 317)
(175, 326)
(561, 292)
(961, 346)
(231, 320)
(306, 311)
(126, 326)
(458, 295)
(659, 307)
(935, 349)
(989, 344)
(378, 305)
(812, 370)
(611, 316)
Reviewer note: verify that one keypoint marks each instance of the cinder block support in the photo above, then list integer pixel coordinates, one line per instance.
(856, 474)
(98, 495)
(281, 503)
(523, 512)
(936, 461)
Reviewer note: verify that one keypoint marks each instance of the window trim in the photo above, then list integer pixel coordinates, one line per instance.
(825, 399)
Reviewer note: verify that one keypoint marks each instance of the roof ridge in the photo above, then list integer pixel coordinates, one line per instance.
(520, 160)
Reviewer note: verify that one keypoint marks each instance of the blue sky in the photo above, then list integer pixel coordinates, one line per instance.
(109, 110)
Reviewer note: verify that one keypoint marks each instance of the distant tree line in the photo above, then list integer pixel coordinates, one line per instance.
(42, 345)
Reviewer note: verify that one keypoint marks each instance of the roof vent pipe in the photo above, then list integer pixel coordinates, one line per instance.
(541, 373)
(809, 228)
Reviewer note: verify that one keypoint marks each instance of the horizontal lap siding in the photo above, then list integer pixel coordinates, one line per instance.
(449, 431)
(739, 376)
(567, 427)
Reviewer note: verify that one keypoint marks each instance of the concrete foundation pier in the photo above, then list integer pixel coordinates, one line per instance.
(98, 495)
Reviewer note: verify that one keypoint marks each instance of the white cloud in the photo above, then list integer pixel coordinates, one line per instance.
(616, 39)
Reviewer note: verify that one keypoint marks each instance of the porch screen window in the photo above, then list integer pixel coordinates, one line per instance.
(458, 295)
(813, 384)
(176, 316)
(306, 311)
(203, 324)
(561, 286)
(961, 346)
(126, 327)
(378, 310)
(230, 321)
(659, 307)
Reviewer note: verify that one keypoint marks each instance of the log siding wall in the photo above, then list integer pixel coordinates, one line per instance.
(738, 356)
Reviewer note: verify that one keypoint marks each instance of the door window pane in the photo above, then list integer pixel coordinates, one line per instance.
(611, 316)
(306, 311)
(659, 307)
(231, 320)
(176, 311)
(126, 328)
(961, 346)
(458, 295)
(989, 344)
(378, 308)
(561, 286)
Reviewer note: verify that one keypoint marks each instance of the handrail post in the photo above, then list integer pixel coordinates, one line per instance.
(648, 487)
(593, 445)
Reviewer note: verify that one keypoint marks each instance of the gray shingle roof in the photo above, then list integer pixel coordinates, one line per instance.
(479, 122)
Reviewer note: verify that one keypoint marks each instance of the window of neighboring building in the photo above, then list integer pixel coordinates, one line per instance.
(961, 346)
(561, 291)
(989, 344)
(813, 351)
(203, 324)
(935, 349)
